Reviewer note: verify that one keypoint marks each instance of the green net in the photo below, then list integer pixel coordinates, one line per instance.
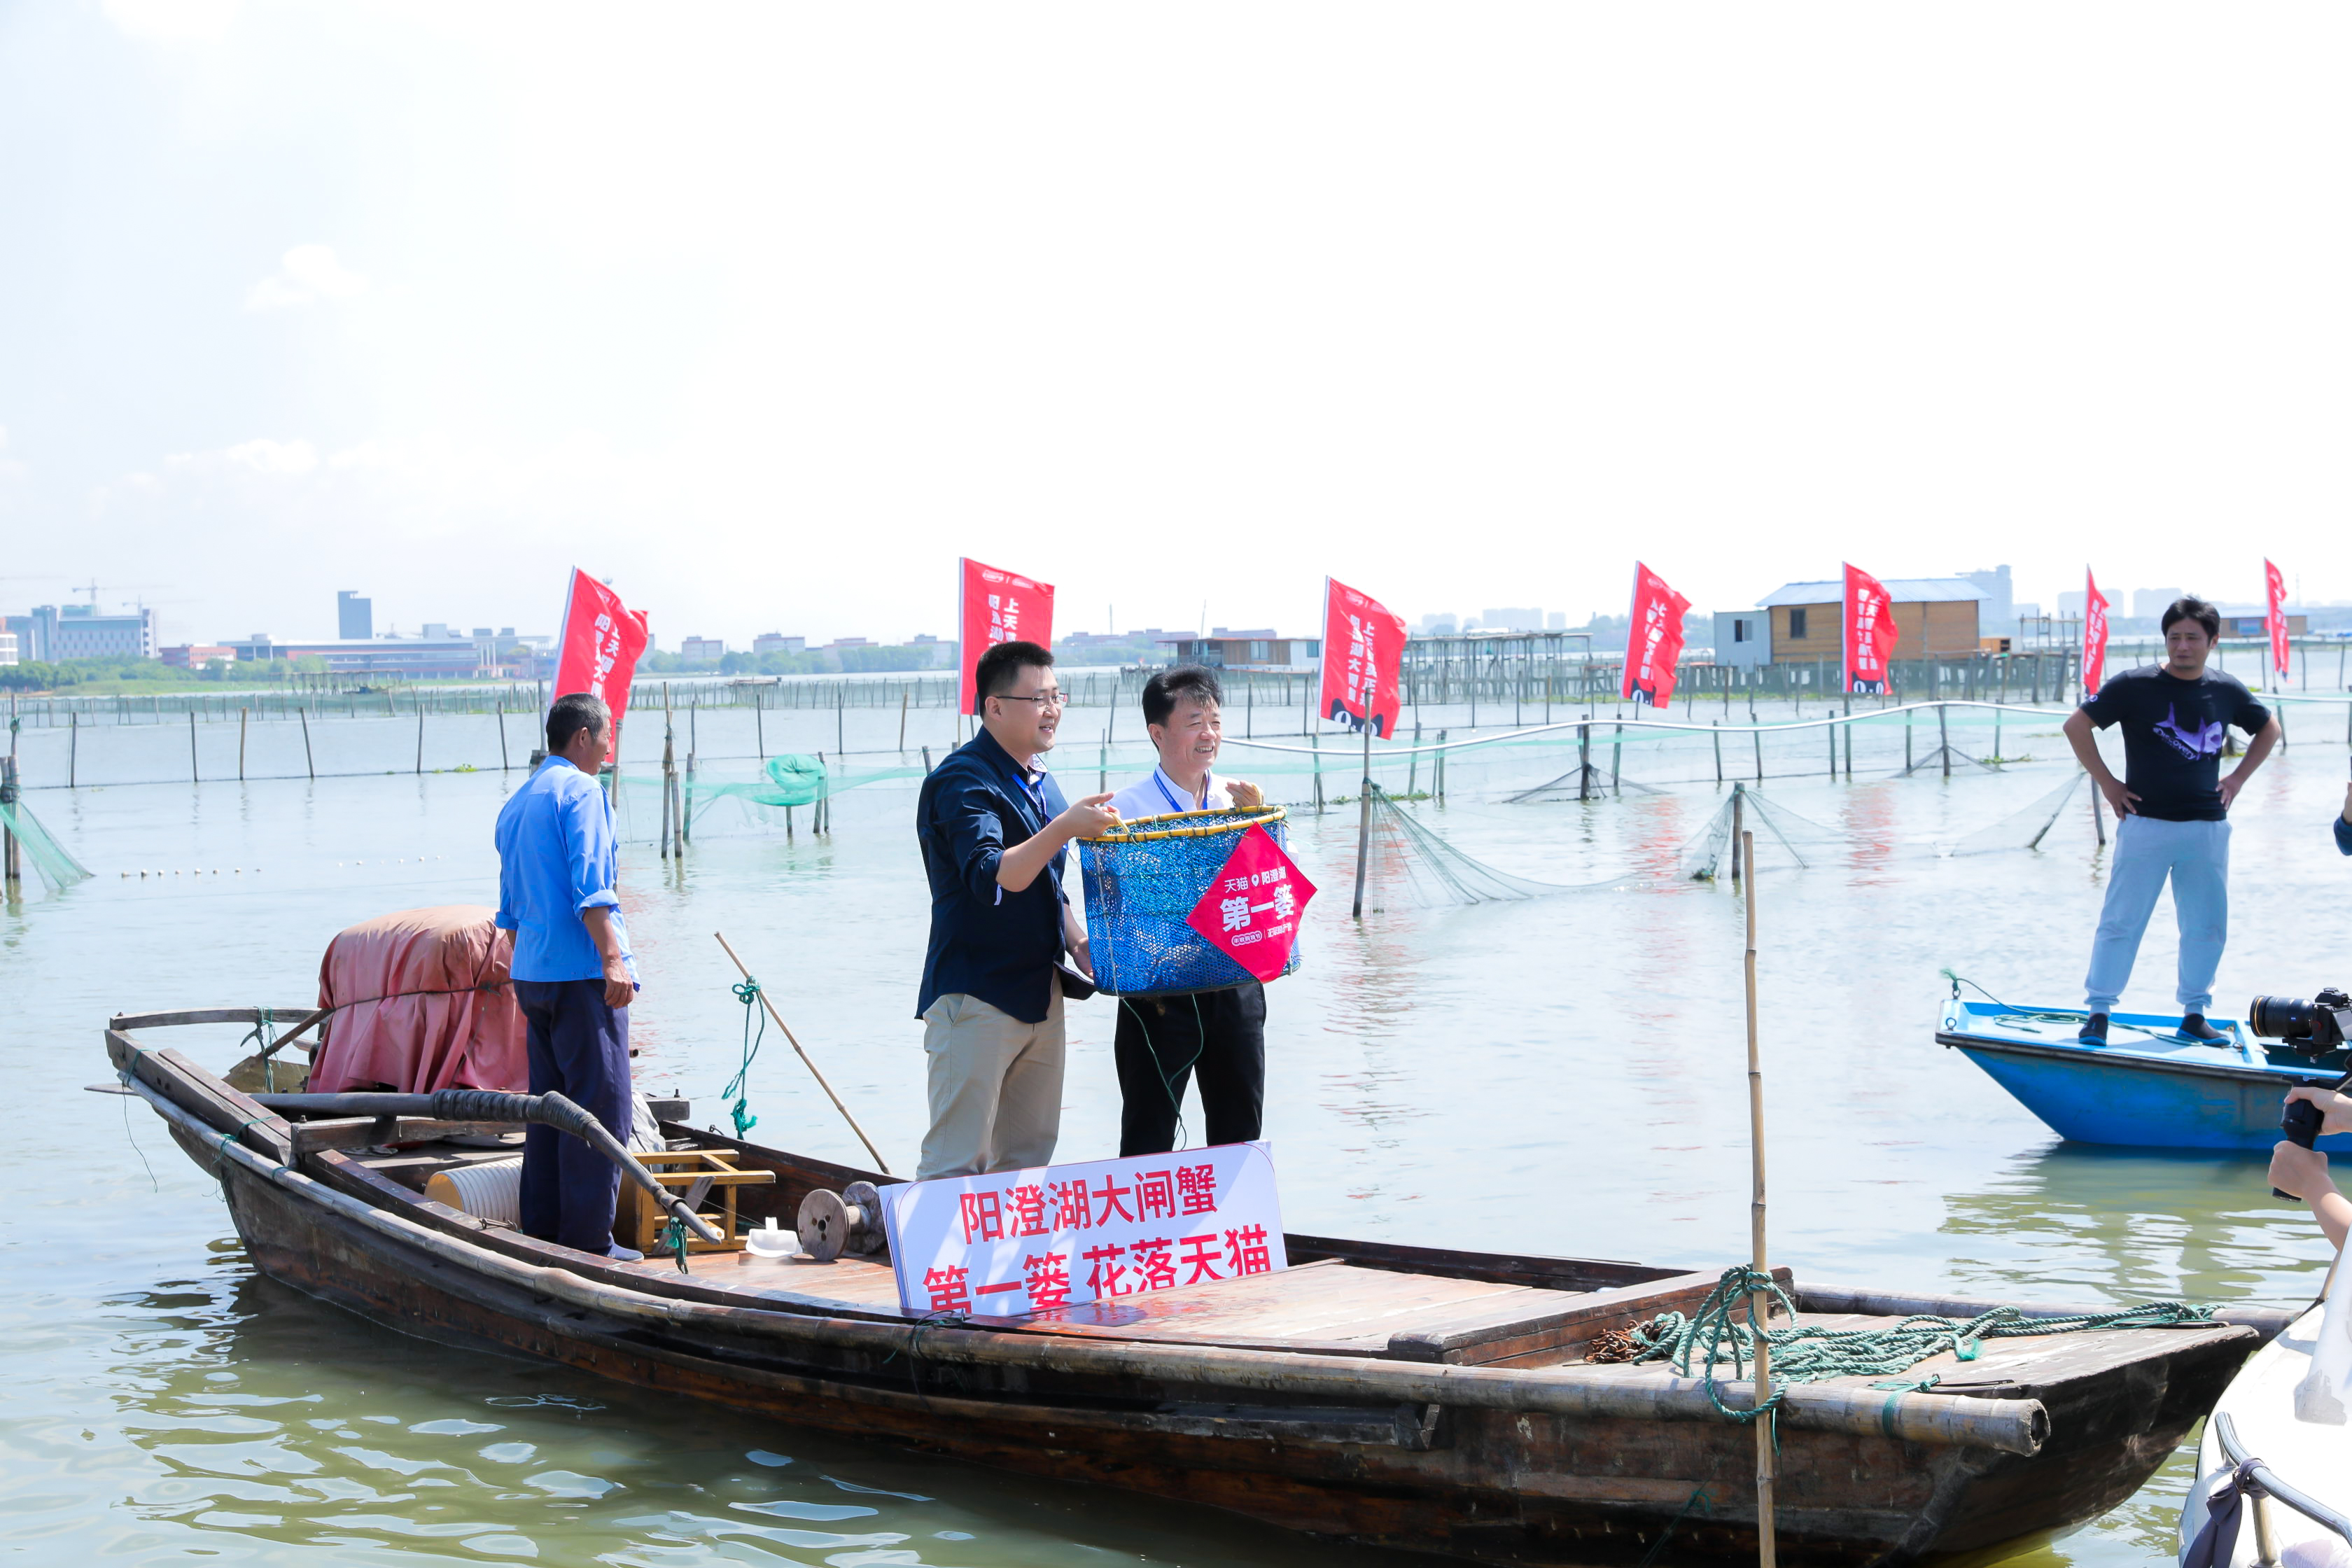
(715, 803)
(58, 870)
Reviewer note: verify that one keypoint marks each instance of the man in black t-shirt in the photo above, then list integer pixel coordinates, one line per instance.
(2171, 809)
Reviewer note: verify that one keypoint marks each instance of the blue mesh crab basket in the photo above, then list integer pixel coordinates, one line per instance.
(1143, 881)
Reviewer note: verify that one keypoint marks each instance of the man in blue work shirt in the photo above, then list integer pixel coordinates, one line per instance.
(572, 973)
(993, 830)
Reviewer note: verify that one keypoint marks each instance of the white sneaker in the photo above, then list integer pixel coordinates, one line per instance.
(620, 1254)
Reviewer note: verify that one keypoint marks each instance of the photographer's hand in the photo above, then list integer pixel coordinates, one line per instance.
(2304, 1174)
(2335, 1109)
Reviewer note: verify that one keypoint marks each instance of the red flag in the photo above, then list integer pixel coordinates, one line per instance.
(1656, 641)
(598, 651)
(996, 606)
(1252, 912)
(1869, 631)
(2275, 623)
(2094, 633)
(1363, 659)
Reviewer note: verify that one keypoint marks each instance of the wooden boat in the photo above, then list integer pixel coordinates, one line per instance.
(2148, 1087)
(1401, 1396)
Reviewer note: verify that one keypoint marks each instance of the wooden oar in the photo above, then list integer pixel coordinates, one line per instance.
(787, 1028)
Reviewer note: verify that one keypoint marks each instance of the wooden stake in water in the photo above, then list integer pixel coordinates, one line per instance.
(1758, 1302)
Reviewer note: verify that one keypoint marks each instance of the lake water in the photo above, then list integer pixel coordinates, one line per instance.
(1562, 1075)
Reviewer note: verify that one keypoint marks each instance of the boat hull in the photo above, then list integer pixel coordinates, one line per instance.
(1489, 1486)
(2139, 1093)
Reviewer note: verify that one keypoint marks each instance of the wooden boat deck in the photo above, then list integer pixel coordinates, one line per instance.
(1334, 1308)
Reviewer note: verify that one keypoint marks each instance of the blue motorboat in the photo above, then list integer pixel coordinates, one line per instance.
(2150, 1086)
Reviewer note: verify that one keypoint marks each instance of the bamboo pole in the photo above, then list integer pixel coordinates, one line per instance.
(11, 870)
(787, 1028)
(73, 745)
(902, 720)
(309, 765)
(1759, 1301)
(193, 777)
(1739, 831)
(420, 734)
(241, 714)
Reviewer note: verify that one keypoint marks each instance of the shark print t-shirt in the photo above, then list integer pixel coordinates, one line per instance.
(2172, 736)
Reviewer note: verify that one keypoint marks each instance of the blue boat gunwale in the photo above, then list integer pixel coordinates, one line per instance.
(2290, 1073)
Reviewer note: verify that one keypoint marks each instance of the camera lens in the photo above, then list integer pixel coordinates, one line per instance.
(2280, 1017)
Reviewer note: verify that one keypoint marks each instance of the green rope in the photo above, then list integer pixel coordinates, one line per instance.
(2026, 1018)
(739, 1088)
(674, 1235)
(1809, 1352)
(264, 1034)
(221, 1151)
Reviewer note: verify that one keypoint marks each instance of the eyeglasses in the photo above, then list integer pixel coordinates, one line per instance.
(1053, 698)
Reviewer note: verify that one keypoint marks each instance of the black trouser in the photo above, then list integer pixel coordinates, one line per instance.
(579, 1049)
(1162, 1041)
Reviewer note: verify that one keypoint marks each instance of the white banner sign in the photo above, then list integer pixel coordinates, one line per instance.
(1022, 1242)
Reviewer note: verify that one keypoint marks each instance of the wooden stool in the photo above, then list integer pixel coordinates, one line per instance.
(693, 1173)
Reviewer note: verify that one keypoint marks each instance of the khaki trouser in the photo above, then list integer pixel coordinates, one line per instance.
(995, 1088)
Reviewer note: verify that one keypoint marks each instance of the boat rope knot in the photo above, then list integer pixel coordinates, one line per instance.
(1810, 1353)
(739, 1088)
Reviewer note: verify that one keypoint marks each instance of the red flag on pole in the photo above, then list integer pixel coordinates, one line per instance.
(1869, 631)
(2094, 633)
(597, 652)
(994, 606)
(2275, 581)
(1363, 659)
(1655, 642)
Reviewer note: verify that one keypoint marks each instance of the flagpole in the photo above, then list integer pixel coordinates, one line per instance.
(1364, 817)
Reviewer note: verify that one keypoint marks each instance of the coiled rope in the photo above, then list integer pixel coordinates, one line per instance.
(1807, 1353)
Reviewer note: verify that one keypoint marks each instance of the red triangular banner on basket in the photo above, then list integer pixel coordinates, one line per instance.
(1252, 912)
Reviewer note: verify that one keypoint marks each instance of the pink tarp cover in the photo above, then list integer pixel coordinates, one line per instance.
(458, 1024)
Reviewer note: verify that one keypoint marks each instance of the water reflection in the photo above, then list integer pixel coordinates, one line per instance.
(2083, 1223)
(261, 1416)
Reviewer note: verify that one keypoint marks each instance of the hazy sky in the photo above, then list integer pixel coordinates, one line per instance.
(768, 312)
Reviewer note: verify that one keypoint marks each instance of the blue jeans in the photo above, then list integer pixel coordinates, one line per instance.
(2196, 856)
(579, 1049)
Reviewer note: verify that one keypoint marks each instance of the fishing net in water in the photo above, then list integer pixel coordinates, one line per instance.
(2024, 828)
(1781, 836)
(1142, 885)
(58, 870)
(1786, 837)
(764, 803)
(1410, 863)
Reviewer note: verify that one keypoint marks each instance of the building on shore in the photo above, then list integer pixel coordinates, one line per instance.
(355, 616)
(776, 642)
(702, 651)
(198, 654)
(8, 648)
(413, 657)
(60, 632)
(1933, 616)
(1256, 650)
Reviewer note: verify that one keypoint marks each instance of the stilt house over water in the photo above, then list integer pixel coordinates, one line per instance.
(1932, 616)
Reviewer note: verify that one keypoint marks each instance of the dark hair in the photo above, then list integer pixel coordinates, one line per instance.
(572, 712)
(2192, 608)
(1161, 691)
(1002, 666)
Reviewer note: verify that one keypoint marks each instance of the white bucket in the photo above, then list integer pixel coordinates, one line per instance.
(491, 1190)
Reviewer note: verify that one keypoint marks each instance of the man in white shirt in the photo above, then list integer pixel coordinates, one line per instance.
(1221, 1035)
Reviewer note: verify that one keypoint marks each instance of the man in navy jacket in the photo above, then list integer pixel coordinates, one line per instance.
(994, 830)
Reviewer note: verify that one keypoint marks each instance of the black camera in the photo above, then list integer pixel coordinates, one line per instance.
(2314, 1028)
